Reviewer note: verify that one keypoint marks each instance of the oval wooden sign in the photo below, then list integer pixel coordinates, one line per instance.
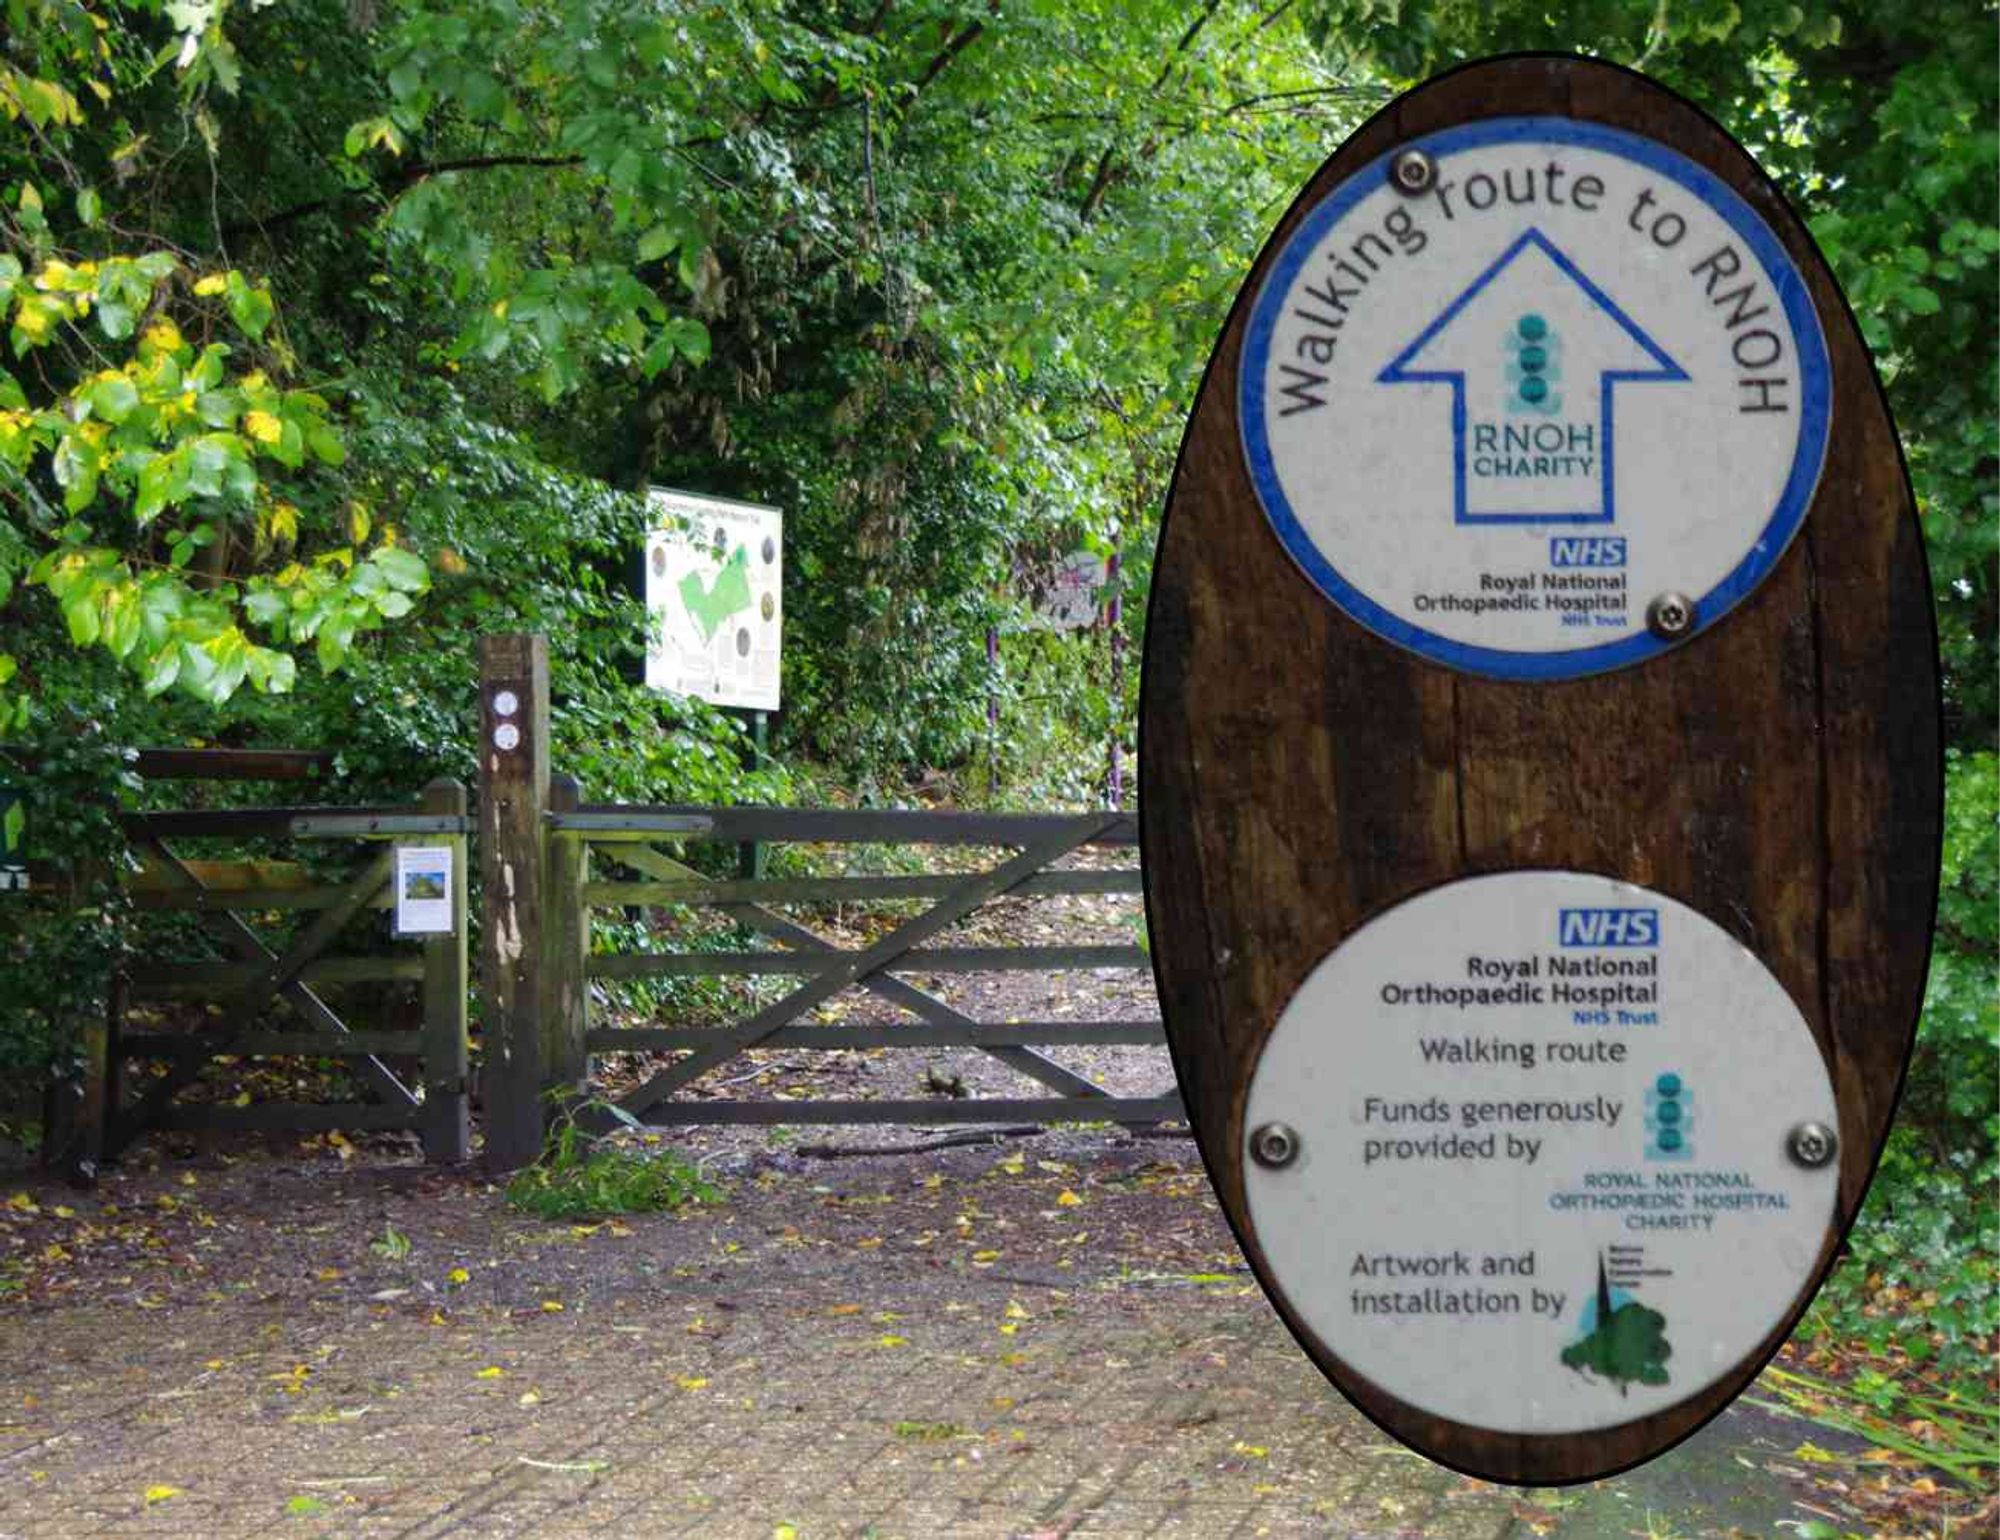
(1540, 769)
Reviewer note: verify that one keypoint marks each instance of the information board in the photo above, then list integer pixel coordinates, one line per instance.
(715, 599)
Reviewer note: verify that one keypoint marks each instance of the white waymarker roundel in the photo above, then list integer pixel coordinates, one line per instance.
(1544, 1177)
(1496, 419)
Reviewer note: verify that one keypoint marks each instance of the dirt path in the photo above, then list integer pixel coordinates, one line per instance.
(1049, 1338)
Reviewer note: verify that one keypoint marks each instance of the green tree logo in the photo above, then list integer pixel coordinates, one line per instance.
(1624, 1344)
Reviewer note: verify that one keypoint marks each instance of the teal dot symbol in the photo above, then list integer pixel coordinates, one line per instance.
(1670, 1139)
(1531, 327)
(1534, 390)
(1534, 359)
(1669, 1111)
(1668, 1085)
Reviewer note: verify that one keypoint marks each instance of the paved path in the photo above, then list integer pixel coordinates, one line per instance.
(893, 1349)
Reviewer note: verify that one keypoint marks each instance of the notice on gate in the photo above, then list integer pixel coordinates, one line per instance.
(424, 890)
(1534, 398)
(1549, 1152)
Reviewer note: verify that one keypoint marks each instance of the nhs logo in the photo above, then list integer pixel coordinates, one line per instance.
(1587, 551)
(1608, 927)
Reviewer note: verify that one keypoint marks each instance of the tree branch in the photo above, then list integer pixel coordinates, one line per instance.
(405, 178)
(953, 47)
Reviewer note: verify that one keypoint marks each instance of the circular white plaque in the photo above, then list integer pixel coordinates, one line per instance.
(1496, 419)
(507, 736)
(1542, 1182)
(505, 703)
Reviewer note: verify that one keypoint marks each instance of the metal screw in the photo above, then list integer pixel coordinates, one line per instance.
(1412, 172)
(1274, 1145)
(1670, 615)
(1812, 1145)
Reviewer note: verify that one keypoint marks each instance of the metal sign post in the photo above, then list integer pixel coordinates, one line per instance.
(1540, 771)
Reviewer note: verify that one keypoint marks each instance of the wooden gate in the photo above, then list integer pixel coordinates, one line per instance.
(590, 844)
(276, 925)
(566, 863)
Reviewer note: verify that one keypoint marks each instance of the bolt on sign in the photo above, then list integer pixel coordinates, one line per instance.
(1541, 769)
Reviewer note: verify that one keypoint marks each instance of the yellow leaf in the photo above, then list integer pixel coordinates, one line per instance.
(161, 337)
(457, 1275)
(490, 1372)
(159, 1494)
(784, 1532)
(529, 1398)
(358, 523)
(62, 1212)
(328, 1274)
(214, 283)
(985, 1258)
(1008, 1328)
(691, 1382)
(21, 1203)
(1250, 1451)
(552, 1306)
(1067, 1199)
(891, 1340)
(263, 427)
(1016, 1311)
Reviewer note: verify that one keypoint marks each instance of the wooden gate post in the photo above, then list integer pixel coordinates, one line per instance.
(513, 795)
(565, 946)
(447, 1129)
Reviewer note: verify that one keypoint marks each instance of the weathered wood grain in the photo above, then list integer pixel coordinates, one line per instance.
(1780, 773)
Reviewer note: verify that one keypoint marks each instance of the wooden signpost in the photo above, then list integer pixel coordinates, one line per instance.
(1541, 770)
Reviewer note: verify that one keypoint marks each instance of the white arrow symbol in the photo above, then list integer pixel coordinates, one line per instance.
(1533, 352)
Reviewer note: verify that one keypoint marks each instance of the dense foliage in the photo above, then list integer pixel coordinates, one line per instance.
(341, 330)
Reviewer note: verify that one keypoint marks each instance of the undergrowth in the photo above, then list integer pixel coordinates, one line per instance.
(582, 1175)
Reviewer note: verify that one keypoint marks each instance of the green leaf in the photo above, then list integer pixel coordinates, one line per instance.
(405, 570)
(163, 670)
(113, 398)
(249, 307)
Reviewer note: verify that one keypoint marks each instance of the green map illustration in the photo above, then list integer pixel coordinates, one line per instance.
(1624, 1344)
(711, 604)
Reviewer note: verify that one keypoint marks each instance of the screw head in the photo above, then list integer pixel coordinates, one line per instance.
(1412, 172)
(1274, 1145)
(1670, 615)
(1812, 1145)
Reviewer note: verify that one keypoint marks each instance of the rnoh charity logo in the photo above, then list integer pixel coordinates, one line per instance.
(1532, 354)
(1622, 1339)
(1669, 1119)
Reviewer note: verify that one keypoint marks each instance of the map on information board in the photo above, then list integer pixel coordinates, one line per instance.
(714, 599)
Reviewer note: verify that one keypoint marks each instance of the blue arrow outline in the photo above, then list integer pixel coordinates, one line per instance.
(1395, 374)
(1815, 405)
